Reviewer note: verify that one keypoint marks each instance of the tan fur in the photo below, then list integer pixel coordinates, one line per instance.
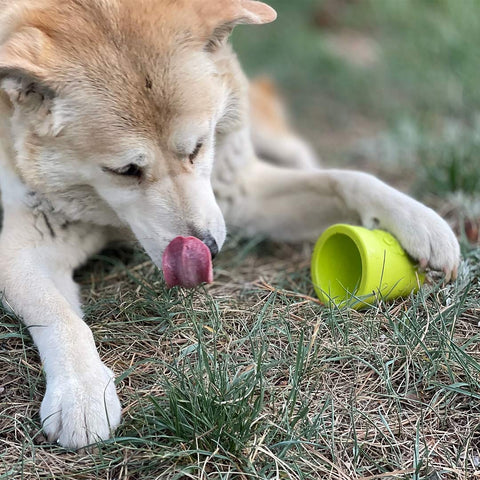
(267, 108)
(111, 115)
(272, 133)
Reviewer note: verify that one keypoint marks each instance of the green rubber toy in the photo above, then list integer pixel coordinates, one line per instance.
(354, 267)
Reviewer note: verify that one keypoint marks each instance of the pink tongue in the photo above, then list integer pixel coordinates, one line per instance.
(187, 262)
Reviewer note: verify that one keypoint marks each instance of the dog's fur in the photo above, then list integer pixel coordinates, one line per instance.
(103, 105)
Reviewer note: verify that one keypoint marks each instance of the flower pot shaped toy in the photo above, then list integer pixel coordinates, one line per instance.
(354, 267)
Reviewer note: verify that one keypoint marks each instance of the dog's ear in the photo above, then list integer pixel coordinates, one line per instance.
(22, 65)
(252, 12)
(228, 14)
(26, 76)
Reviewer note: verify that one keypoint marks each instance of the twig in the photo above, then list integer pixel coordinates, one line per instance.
(265, 286)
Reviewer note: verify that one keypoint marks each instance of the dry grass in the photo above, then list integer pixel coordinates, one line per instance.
(390, 393)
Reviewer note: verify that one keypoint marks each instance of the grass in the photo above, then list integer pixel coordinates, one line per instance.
(249, 379)
(263, 384)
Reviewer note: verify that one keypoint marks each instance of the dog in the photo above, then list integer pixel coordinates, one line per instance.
(132, 119)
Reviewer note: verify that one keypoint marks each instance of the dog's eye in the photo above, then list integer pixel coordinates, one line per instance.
(131, 170)
(195, 153)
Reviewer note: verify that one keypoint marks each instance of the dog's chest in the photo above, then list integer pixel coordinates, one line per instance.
(233, 155)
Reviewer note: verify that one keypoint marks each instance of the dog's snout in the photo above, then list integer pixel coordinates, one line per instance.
(211, 243)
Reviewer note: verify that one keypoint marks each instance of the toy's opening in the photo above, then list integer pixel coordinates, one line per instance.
(339, 267)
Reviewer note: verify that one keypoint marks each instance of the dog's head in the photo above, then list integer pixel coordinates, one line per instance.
(125, 96)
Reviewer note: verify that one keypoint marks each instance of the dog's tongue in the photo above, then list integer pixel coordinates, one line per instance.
(187, 262)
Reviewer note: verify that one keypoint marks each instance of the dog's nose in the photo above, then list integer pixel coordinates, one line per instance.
(211, 243)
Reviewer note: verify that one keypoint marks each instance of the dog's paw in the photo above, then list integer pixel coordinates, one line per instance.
(78, 411)
(426, 237)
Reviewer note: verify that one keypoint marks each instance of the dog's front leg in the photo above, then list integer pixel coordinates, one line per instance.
(291, 205)
(37, 258)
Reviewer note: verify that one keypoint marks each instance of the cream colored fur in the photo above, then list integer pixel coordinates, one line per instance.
(89, 88)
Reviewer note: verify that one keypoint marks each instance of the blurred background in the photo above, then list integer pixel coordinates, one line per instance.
(389, 86)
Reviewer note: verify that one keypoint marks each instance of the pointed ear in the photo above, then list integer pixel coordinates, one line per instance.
(22, 58)
(253, 12)
(224, 18)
